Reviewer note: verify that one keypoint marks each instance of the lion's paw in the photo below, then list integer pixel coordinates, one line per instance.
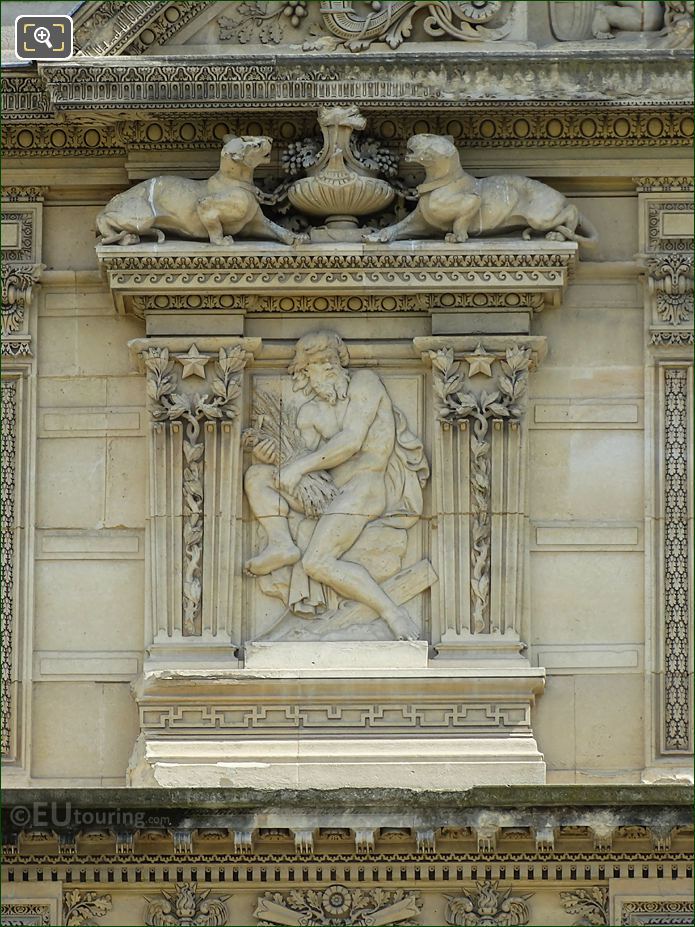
(455, 239)
(301, 238)
(555, 236)
(377, 237)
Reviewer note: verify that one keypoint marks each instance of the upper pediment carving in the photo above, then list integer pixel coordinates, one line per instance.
(137, 27)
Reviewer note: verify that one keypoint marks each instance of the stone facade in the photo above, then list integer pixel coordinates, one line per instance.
(347, 394)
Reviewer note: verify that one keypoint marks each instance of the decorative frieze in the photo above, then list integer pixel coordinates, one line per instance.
(657, 912)
(334, 716)
(156, 84)
(267, 277)
(338, 904)
(30, 135)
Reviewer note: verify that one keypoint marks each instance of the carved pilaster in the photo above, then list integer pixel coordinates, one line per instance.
(21, 269)
(479, 389)
(195, 392)
(666, 245)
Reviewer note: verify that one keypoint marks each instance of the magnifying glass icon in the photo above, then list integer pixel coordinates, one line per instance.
(43, 35)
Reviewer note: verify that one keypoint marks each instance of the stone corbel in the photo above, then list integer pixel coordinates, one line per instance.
(480, 386)
(195, 389)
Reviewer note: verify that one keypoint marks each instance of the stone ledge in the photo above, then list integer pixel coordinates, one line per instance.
(251, 269)
(506, 796)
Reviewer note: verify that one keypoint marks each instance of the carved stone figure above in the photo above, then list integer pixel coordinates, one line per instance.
(216, 209)
(335, 484)
(454, 203)
(338, 905)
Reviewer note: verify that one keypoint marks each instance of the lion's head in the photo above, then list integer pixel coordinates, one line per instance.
(342, 116)
(430, 150)
(251, 150)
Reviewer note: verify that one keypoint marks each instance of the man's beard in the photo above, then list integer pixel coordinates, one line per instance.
(333, 387)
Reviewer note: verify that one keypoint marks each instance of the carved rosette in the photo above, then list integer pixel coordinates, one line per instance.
(194, 400)
(480, 393)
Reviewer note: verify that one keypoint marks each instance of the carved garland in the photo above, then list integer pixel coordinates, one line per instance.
(455, 403)
(168, 405)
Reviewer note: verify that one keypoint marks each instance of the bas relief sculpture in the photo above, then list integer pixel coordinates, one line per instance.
(216, 209)
(459, 205)
(661, 25)
(335, 484)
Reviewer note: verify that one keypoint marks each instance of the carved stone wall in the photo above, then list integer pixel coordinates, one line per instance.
(477, 706)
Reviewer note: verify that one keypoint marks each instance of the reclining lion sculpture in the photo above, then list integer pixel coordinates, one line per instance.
(216, 209)
(456, 203)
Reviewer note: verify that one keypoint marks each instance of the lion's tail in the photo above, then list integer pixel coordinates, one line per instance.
(590, 237)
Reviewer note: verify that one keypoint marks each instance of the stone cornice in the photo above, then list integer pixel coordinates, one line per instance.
(265, 269)
(429, 78)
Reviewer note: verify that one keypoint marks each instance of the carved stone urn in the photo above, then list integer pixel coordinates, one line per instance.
(338, 186)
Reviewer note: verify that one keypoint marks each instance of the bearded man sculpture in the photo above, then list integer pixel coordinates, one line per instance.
(341, 463)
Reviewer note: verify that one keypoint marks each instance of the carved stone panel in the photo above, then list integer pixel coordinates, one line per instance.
(335, 487)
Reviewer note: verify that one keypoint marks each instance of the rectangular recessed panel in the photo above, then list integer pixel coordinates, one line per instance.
(603, 657)
(586, 413)
(90, 421)
(677, 224)
(587, 535)
(10, 235)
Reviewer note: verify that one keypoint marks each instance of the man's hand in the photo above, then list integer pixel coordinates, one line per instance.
(288, 476)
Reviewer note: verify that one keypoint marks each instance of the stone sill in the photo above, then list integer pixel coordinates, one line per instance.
(515, 796)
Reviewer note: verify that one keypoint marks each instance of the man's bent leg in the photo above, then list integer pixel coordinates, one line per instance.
(271, 510)
(333, 536)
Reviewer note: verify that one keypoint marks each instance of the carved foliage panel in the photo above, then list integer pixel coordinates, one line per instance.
(676, 554)
(666, 236)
